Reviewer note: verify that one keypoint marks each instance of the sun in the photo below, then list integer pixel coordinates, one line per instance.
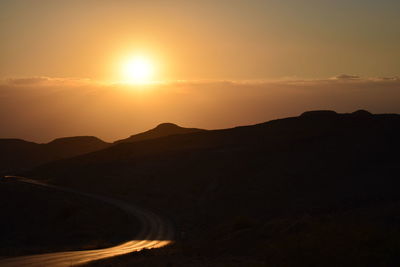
(138, 70)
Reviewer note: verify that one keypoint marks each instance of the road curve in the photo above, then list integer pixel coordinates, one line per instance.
(155, 232)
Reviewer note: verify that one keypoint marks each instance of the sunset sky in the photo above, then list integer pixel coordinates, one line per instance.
(114, 68)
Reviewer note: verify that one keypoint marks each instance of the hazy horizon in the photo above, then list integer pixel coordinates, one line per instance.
(67, 107)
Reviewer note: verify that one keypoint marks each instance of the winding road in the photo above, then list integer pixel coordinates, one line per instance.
(155, 232)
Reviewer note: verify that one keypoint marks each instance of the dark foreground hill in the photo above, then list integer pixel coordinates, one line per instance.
(321, 189)
(35, 219)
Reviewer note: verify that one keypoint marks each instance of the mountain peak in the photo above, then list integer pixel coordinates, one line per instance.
(76, 139)
(161, 130)
(319, 114)
(167, 125)
(362, 113)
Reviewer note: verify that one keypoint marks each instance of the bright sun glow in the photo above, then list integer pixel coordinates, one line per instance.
(138, 70)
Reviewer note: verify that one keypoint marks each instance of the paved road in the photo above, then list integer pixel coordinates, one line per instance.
(155, 232)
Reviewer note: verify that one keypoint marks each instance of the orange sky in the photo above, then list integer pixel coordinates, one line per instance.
(197, 40)
(213, 64)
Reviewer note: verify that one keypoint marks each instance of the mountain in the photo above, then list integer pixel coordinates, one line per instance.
(164, 129)
(73, 146)
(318, 155)
(16, 154)
(322, 182)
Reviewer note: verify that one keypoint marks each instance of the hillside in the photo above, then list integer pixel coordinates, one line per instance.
(251, 185)
(35, 219)
(73, 146)
(17, 155)
(164, 129)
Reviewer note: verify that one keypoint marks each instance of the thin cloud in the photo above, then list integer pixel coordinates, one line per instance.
(45, 81)
(26, 81)
(347, 77)
(395, 78)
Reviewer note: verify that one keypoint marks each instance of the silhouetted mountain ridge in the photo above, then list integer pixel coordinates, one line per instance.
(163, 129)
(74, 139)
(17, 154)
(167, 125)
(326, 114)
(316, 123)
(362, 113)
(320, 178)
